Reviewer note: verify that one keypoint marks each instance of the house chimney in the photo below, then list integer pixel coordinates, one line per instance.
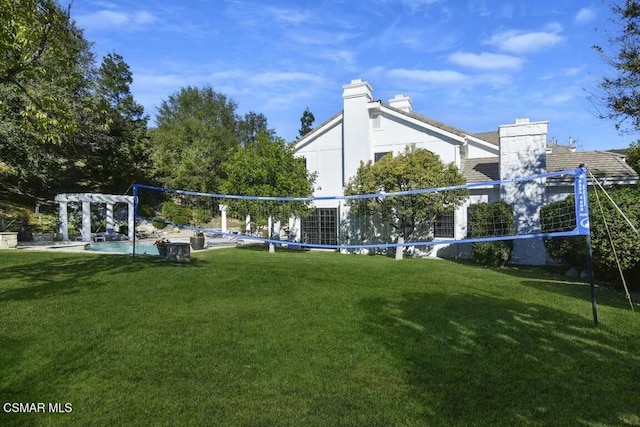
(356, 89)
(522, 149)
(401, 102)
(356, 144)
(523, 154)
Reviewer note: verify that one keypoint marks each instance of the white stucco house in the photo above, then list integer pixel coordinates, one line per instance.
(367, 129)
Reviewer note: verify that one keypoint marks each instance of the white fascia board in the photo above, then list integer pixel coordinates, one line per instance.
(482, 187)
(373, 105)
(605, 182)
(316, 133)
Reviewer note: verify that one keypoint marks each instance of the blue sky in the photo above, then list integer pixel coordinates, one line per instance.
(473, 64)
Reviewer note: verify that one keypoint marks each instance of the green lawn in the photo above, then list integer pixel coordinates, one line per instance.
(244, 337)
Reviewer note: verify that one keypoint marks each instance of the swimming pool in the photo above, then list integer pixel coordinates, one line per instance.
(142, 248)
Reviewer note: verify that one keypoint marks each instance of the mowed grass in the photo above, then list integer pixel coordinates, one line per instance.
(244, 337)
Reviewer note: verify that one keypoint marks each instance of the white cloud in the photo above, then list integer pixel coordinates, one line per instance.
(429, 76)
(143, 18)
(290, 16)
(420, 39)
(574, 71)
(418, 3)
(320, 37)
(521, 42)
(110, 18)
(585, 15)
(486, 60)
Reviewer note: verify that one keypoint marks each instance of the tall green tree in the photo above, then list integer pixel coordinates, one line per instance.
(39, 45)
(267, 168)
(306, 122)
(633, 156)
(195, 133)
(250, 125)
(120, 153)
(48, 84)
(622, 90)
(414, 169)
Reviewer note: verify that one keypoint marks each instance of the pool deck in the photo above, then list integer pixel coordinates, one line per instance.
(73, 246)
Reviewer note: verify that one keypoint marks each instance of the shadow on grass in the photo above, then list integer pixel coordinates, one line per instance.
(48, 274)
(551, 279)
(483, 360)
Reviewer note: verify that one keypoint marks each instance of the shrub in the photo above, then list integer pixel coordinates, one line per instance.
(158, 223)
(146, 210)
(492, 254)
(201, 216)
(179, 215)
(491, 220)
(560, 216)
(571, 250)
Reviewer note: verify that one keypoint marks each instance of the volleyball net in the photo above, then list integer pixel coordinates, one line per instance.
(418, 218)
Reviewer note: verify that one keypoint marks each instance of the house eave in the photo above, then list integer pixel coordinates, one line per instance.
(318, 132)
(458, 137)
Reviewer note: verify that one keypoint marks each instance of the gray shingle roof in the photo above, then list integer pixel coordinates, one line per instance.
(480, 170)
(491, 137)
(602, 164)
(428, 121)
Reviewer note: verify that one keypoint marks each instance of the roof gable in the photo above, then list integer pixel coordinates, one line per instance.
(319, 131)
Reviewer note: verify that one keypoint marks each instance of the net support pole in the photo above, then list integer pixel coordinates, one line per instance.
(583, 224)
(592, 284)
(135, 211)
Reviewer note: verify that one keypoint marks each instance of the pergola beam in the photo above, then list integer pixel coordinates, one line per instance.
(86, 199)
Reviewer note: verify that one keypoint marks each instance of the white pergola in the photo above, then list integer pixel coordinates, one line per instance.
(86, 199)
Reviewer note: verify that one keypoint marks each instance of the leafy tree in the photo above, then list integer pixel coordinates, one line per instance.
(195, 133)
(120, 153)
(633, 156)
(267, 168)
(250, 126)
(622, 91)
(39, 47)
(40, 170)
(414, 169)
(306, 122)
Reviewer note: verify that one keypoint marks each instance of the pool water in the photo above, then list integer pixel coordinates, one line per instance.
(142, 248)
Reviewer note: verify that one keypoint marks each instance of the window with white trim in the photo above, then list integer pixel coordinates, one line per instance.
(444, 225)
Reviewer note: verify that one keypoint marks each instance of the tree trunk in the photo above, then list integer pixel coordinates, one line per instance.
(400, 249)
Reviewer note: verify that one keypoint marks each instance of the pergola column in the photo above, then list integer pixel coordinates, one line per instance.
(223, 220)
(86, 199)
(110, 218)
(130, 218)
(86, 221)
(64, 221)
